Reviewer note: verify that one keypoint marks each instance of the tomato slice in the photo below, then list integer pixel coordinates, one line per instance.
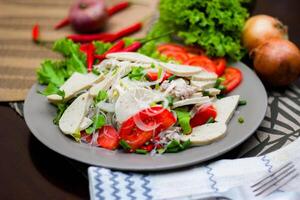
(170, 47)
(220, 66)
(203, 62)
(156, 117)
(148, 147)
(233, 77)
(152, 76)
(108, 137)
(176, 55)
(203, 114)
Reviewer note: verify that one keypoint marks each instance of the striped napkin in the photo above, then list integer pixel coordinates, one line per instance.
(215, 177)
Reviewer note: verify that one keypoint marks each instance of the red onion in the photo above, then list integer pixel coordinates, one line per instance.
(87, 16)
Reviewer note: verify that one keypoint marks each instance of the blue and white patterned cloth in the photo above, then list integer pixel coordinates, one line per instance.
(218, 176)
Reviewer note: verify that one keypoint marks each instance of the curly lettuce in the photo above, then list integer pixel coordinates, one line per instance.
(214, 25)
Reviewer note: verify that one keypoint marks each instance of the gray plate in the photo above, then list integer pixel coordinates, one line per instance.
(39, 114)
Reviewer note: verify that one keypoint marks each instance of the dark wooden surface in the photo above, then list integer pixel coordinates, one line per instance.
(29, 170)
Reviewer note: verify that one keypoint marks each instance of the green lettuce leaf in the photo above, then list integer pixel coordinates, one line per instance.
(51, 72)
(215, 25)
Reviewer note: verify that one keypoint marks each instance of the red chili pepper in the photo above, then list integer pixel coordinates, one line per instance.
(133, 47)
(35, 33)
(111, 11)
(115, 48)
(64, 22)
(106, 37)
(90, 56)
(118, 7)
(90, 37)
(84, 47)
(129, 30)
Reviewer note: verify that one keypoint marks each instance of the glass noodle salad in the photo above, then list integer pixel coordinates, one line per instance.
(140, 104)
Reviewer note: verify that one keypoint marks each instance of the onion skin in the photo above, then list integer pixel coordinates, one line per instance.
(260, 28)
(277, 62)
(88, 16)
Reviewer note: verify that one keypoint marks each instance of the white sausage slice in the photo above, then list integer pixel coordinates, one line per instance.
(130, 56)
(76, 83)
(225, 108)
(180, 70)
(206, 134)
(71, 119)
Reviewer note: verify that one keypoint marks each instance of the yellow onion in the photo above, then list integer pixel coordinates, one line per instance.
(260, 28)
(277, 62)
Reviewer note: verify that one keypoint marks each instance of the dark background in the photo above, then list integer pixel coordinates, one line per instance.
(29, 170)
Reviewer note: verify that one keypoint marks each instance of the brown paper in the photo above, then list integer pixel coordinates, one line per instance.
(19, 56)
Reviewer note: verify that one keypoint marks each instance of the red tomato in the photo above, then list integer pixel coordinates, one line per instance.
(203, 62)
(152, 76)
(148, 147)
(220, 66)
(158, 117)
(176, 55)
(233, 77)
(170, 47)
(203, 114)
(108, 137)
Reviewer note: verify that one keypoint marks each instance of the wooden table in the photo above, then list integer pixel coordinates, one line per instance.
(29, 170)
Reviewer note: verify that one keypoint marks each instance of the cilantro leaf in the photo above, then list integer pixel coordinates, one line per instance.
(137, 73)
(98, 122)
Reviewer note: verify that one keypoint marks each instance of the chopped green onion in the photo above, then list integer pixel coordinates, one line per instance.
(125, 145)
(241, 120)
(220, 96)
(219, 81)
(159, 73)
(152, 66)
(183, 118)
(141, 151)
(157, 87)
(175, 146)
(170, 100)
(210, 120)
(186, 144)
(242, 102)
(171, 78)
(205, 93)
(221, 87)
(94, 71)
